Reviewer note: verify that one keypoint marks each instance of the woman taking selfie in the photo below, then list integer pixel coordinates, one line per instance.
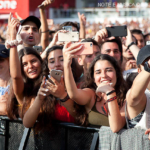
(104, 75)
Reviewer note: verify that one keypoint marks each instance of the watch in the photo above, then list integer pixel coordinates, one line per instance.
(65, 99)
(132, 43)
(146, 67)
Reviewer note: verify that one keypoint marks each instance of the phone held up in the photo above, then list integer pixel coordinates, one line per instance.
(87, 49)
(56, 74)
(69, 36)
(117, 31)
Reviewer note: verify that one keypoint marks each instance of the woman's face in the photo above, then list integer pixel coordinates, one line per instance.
(55, 60)
(104, 72)
(31, 66)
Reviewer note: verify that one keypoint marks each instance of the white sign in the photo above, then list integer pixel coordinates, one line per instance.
(8, 4)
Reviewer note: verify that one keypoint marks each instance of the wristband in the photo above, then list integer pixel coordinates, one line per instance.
(65, 99)
(110, 92)
(146, 67)
(109, 100)
(132, 43)
(45, 31)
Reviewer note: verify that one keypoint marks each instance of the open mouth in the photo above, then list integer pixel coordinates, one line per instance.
(30, 38)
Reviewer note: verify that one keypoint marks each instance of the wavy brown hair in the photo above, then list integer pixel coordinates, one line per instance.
(120, 87)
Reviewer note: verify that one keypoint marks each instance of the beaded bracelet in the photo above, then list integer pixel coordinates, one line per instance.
(109, 100)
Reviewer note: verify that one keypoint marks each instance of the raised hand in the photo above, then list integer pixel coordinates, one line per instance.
(68, 52)
(102, 35)
(45, 4)
(55, 38)
(13, 25)
(104, 88)
(130, 64)
(82, 19)
(56, 88)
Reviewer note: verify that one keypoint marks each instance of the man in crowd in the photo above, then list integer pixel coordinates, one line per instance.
(139, 37)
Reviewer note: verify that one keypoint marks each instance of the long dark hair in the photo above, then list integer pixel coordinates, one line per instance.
(120, 87)
(31, 87)
(81, 115)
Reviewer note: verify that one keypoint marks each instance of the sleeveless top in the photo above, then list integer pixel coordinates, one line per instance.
(142, 120)
(62, 114)
(96, 118)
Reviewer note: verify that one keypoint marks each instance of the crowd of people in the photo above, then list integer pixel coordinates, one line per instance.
(109, 87)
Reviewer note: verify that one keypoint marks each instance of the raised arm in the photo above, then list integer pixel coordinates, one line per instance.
(52, 43)
(80, 96)
(44, 24)
(15, 68)
(133, 48)
(82, 19)
(136, 95)
(116, 116)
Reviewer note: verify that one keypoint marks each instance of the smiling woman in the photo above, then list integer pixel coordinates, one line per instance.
(105, 77)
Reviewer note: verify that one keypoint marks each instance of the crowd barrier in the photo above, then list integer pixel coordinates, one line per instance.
(66, 136)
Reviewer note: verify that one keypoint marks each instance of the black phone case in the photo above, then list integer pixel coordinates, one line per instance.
(117, 31)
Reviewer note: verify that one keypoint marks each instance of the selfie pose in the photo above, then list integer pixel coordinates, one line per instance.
(105, 75)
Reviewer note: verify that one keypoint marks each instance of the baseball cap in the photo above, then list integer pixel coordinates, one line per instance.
(3, 51)
(143, 54)
(32, 19)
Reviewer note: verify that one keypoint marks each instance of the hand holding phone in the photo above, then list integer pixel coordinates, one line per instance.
(87, 48)
(69, 36)
(56, 74)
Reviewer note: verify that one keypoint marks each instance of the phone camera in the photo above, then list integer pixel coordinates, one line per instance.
(91, 44)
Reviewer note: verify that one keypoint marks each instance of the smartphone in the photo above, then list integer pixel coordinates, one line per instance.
(38, 48)
(87, 49)
(117, 31)
(56, 74)
(69, 36)
(67, 28)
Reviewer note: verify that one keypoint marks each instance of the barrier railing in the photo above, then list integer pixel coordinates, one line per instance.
(67, 136)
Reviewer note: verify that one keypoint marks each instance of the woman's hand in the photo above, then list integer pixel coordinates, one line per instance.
(68, 52)
(147, 132)
(57, 89)
(13, 25)
(104, 88)
(43, 91)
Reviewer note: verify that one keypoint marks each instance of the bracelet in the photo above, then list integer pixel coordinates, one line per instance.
(109, 100)
(110, 92)
(12, 46)
(132, 43)
(45, 31)
(65, 99)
